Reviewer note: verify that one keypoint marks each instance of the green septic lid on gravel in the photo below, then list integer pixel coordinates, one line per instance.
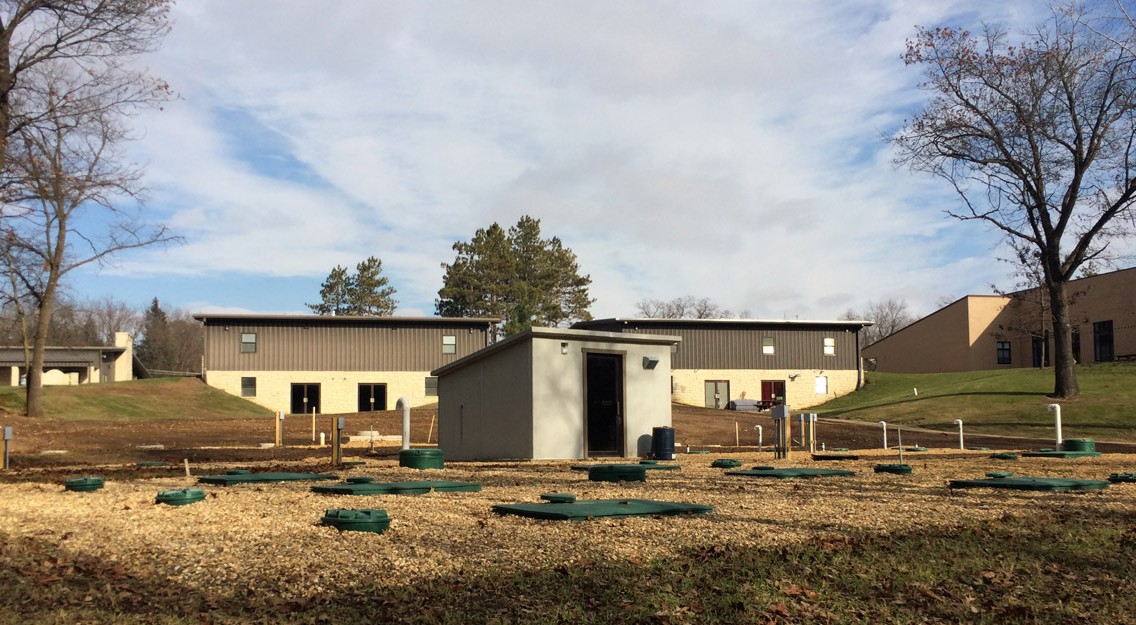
(978, 449)
(590, 509)
(559, 497)
(419, 487)
(1032, 483)
(83, 484)
(180, 496)
(365, 520)
(898, 469)
(238, 472)
(248, 477)
(792, 472)
(360, 479)
(617, 473)
(1079, 444)
(421, 458)
(1117, 478)
(1009, 455)
(1061, 454)
(726, 463)
(1000, 474)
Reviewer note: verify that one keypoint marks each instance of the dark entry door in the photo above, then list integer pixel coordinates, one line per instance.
(604, 402)
(305, 398)
(772, 392)
(372, 397)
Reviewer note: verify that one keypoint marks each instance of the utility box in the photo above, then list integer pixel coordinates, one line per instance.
(783, 434)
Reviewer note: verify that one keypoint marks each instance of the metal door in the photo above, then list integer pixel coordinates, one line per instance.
(772, 392)
(604, 401)
(717, 393)
(372, 397)
(305, 398)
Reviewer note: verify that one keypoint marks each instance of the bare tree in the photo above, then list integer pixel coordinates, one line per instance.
(91, 39)
(66, 167)
(888, 317)
(108, 316)
(685, 307)
(1038, 138)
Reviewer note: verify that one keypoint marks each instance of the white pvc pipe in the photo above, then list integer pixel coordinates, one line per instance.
(758, 428)
(884, 425)
(405, 406)
(1056, 410)
(958, 422)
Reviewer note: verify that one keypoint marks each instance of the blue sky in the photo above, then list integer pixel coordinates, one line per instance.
(729, 150)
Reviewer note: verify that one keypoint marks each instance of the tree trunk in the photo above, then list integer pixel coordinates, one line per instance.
(39, 346)
(1064, 364)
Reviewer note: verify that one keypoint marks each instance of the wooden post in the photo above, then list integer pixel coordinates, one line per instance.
(280, 429)
(313, 424)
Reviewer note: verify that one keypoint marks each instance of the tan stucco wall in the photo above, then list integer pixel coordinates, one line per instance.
(964, 335)
(124, 364)
(690, 384)
(558, 395)
(339, 390)
(527, 400)
(486, 410)
(943, 341)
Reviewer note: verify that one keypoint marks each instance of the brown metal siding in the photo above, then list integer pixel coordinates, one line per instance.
(292, 346)
(738, 347)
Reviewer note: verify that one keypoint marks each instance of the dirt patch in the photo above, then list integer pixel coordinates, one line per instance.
(250, 439)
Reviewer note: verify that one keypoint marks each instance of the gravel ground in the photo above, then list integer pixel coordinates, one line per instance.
(267, 537)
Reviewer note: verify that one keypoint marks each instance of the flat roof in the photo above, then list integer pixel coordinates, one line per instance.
(567, 334)
(236, 317)
(748, 322)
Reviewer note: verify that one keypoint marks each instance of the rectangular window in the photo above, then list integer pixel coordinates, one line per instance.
(449, 344)
(829, 347)
(248, 342)
(822, 385)
(1102, 341)
(248, 387)
(431, 387)
(767, 346)
(1003, 352)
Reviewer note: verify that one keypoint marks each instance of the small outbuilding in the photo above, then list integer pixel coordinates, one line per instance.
(555, 393)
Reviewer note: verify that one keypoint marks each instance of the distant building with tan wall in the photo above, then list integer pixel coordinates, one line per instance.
(304, 363)
(983, 332)
(799, 363)
(68, 366)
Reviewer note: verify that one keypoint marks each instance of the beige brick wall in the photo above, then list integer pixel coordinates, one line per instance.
(339, 390)
(689, 385)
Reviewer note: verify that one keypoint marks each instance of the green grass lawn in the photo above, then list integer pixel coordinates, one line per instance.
(157, 398)
(1010, 402)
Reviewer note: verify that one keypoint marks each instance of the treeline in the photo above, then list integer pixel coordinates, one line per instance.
(164, 341)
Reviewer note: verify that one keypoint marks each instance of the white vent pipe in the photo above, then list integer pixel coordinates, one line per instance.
(405, 406)
(1056, 410)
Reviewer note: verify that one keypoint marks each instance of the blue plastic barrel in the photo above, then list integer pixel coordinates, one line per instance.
(663, 443)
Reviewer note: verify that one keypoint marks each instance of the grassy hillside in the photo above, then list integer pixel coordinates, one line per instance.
(138, 400)
(1011, 402)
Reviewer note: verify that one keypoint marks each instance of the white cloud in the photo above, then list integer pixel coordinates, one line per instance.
(726, 149)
